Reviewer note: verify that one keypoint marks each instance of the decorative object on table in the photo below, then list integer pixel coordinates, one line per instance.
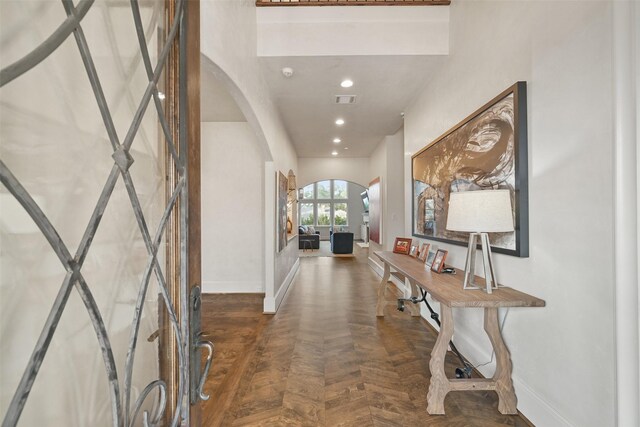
(413, 251)
(402, 245)
(479, 213)
(487, 150)
(375, 211)
(438, 261)
(424, 251)
(433, 249)
(282, 210)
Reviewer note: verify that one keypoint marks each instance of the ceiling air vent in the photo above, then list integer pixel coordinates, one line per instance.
(345, 99)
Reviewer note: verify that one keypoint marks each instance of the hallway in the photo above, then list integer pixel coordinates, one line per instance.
(325, 360)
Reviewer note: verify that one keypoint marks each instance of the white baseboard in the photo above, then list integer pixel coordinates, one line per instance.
(232, 287)
(535, 408)
(271, 304)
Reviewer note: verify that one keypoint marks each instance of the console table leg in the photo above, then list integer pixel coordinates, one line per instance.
(507, 403)
(439, 384)
(381, 288)
(414, 308)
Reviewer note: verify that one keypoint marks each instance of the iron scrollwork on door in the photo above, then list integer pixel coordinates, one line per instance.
(124, 412)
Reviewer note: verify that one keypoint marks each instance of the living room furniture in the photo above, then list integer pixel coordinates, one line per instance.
(307, 240)
(342, 243)
(448, 290)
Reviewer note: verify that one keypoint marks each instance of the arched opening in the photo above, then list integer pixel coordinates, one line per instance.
(333, 204)
(233, 186)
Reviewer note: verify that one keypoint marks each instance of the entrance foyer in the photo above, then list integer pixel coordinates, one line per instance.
(325, 359)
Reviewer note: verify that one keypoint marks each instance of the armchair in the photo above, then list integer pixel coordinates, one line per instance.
(342, 243)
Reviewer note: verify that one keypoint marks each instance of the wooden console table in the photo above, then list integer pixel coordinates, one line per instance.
(447, 290)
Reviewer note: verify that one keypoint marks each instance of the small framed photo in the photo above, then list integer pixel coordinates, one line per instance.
(413, 251)
(402, 245)
(433, 249)
(424, 250)
(438, 262)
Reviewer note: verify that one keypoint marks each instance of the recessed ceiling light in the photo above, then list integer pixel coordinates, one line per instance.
(340, 122)
(346, 83)
(337, 140)
(287, 72)
(334, 153)
(346, 148)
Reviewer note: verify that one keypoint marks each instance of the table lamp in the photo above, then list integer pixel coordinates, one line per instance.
(480, 212)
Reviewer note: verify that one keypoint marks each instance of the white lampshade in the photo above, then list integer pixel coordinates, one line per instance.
(486, 211)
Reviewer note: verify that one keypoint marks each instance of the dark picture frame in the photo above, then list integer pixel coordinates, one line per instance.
(485, 151)
(402, 245)
(283, 185)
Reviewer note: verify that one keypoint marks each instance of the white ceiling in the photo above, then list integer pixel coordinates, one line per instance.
(384, 86)
(389, 53)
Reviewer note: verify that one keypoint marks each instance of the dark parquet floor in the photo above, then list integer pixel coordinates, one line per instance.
(325, 359)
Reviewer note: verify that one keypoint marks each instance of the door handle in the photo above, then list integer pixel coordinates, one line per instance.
(205, 372)
(198, 377)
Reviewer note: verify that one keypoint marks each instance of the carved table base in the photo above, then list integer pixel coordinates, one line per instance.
(501, 382)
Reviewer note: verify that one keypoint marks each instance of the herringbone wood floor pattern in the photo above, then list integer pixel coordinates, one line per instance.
(325, 359)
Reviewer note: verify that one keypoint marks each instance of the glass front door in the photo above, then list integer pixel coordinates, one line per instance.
(92, 229)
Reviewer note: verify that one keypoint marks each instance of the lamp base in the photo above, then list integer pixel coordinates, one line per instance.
(487, 261)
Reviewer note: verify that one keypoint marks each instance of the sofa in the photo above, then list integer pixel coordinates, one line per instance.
(342, 243)
(308, 238)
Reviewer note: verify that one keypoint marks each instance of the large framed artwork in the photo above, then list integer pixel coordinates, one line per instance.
(375, 211)
(283, 185)
(485, 151)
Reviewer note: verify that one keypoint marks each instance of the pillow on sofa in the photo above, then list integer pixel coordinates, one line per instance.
(302, 229)
(311, 230)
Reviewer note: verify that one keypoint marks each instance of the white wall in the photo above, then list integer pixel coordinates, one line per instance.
(229, 45)
(387, 162)
(229, 42)
(564, 353)
(326, 30)
(356, 208)
(354, 169)
(626, 57)
(232, 209)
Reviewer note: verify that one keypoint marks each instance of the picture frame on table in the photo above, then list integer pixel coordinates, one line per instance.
(402, 245)
(438, 262)
(413, 251)
(433, 249)
(424, 251)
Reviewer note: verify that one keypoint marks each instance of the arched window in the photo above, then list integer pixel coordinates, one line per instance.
(325, 203)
